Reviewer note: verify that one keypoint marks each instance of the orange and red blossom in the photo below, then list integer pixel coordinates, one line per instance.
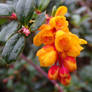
(70, 63)
(68, 43)
(53, 72)
(61, 47)
(47, 56)
(64, 76)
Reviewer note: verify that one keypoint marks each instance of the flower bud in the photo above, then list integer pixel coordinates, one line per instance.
(13, 16)
(70, 63)
(26, 31)
(64, 76)
(53, 72)
(61, 11)
(66, 81)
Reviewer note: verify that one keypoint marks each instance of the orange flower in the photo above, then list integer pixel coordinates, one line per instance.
(62, 41)
(66, 81)
(45, 36)
(59, 23)
(70, 63)
(53, 72)
(68, 43)
(61, 47)
(44, 27)
(64, 76)
(47, 56)
(61, 11)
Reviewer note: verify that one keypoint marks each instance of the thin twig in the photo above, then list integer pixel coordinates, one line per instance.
(7, 17)
(4, 17)
(41, 71)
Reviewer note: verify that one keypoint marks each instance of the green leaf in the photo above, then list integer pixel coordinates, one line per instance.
(7, 31)
(24, 9)
(29, 7)
(38, 22)
(53, 11)
(42, 4)
(5, 9)
(53, 3)
(29, 10)
(20, 9)
(2, 21)
(13, 48)
(2, 62)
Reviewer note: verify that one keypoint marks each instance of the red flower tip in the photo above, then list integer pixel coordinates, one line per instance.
(53, 72)
(64, 76)
(70, 63)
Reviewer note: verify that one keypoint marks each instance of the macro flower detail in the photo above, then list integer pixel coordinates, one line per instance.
(70, 63)
(25, 31)
(61, 11)
(45, 55)
(53, 72)
(61, 47)
(64, 76)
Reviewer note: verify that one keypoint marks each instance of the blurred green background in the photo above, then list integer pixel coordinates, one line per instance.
(22, 77)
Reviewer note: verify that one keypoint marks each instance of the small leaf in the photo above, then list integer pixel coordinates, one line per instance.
(38, 22)
(20, 9)
(24, 9)
(5, 9)
(7, 31)
(29, 8)
(53, 3)
(42, 4)
(13, 48)
(53, 11)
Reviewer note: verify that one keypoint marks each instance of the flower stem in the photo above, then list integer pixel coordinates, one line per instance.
(41, 71)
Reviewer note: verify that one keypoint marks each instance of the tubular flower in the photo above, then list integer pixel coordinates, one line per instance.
(45, 56)
(59, 23)
(53, 72)
(45, 36)
(69, 43)
(61, 47)
(70, 63)
(64, 76)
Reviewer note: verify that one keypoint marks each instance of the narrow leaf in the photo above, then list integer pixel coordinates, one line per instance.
(38, 22)
(5, 9)
(13, 48)
(20, 9)
(8, 30)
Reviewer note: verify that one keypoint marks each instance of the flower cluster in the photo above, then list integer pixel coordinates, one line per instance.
(61, 47)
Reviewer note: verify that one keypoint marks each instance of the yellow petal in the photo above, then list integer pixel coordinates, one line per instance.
(82, 41)
(37, 40)
(61, 11)
(47, 56)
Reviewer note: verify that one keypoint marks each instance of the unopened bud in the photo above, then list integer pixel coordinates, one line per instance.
(53, 72)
